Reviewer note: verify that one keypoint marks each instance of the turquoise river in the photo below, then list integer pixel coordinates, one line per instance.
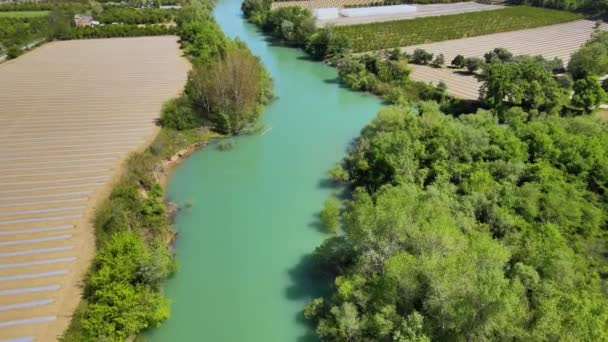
(251, 217)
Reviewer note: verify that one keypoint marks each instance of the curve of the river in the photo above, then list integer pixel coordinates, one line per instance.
(251, 216)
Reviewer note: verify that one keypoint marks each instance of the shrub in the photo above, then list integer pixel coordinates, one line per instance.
(177, 114)
(338, 174)
(458, 62)
(498, 55)
(588, 93)
(330, 215)
(473, 64)
(421, 56)
(439, 60)
(326, 43)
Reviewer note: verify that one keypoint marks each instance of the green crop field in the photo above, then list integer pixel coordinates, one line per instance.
(376, 36)
(23, 14)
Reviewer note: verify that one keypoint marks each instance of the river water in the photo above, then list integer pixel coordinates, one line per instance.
(251, 216)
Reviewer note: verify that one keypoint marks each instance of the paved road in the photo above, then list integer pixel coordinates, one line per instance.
(71, 112)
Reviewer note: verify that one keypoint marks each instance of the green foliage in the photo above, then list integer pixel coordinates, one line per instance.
(458, 62)
(330, 215)
(524, 82)
(338, 174)
(385, 35)
(592, 58)
(588, 93)
(467, 229)
(325, 43)
(439, 61)
(132, 16)
(293, 25)
(228, 92)
(498, 55)
(202, 39)
(122, 289)
(113, 31)
(473, 64)
(177, 114)
(421, 56)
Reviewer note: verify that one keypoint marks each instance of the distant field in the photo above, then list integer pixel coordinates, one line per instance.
(23, 14)
(384, 35)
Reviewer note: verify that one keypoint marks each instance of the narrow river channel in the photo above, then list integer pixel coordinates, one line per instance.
(251, 216)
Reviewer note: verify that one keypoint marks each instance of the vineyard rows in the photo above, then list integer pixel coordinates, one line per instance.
(377, 36)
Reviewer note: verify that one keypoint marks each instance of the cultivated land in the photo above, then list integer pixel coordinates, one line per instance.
(421, 11)
(550, 41)
(71, 112)
(377, 36)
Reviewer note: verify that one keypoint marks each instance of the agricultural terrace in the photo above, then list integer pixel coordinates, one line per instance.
(23, 14)
(71, 111)
(421, 12)
(551, 41)
(377, 36)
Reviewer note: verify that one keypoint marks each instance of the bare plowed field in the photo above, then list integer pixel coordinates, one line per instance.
(70, 113)
(550, 41)
(559, 40)
(460, 84)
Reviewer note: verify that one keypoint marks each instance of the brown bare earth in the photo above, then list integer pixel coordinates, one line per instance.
(460, 84)
(70, 114)
(549, 41)
(559, 40)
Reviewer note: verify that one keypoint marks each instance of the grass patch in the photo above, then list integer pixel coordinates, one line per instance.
(376, 36)
(23, 14)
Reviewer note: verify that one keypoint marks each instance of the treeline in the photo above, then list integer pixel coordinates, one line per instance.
(136, 15)
(470, 228)
(483, 226)
(295, 26)
(42, 6)
(227, 87)
(113, 31)
(16, 32)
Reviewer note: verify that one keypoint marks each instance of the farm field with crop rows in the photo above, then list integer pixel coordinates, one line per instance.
(550, 41)
(70, 113)
(377, 36)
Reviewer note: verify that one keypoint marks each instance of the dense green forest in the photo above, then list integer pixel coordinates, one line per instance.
(465, 221)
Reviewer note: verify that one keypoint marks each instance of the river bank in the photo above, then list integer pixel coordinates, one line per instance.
(250, 217)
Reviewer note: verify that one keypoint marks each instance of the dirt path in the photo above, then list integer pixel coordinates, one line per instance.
(71, 113)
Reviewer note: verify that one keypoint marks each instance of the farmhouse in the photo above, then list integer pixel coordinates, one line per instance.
(84, 20)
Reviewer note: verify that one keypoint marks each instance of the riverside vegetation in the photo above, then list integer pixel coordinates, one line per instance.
(466, 222)
(122, 295)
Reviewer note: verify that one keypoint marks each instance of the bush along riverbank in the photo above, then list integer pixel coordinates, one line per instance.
(225, 93)
(484, 222)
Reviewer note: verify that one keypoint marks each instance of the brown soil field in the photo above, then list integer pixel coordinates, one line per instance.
(460, 84)
(71, 113)
(550, 41)
(559, 40)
